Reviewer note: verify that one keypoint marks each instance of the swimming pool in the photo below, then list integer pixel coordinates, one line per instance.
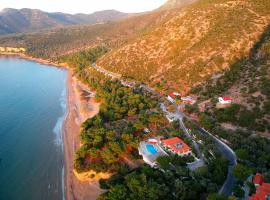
(150, 148)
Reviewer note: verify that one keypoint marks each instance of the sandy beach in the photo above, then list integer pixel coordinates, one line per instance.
(80, 106)
(74, 188)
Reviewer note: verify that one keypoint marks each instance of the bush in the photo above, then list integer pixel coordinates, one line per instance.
(247, 118)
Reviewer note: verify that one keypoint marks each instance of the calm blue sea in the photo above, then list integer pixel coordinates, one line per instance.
(32, 110)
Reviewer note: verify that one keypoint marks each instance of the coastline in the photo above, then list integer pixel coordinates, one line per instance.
(75, 188)
(31, 58)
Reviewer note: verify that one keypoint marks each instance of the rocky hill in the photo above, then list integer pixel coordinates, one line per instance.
(61, 41)
(193, 44)
(28, 20)
(171, 49)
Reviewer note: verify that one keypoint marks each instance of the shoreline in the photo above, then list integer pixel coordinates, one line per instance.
(74, 189)
(38, 60)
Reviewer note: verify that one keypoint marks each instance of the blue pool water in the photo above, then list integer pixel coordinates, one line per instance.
(32, 110)
(151, 149)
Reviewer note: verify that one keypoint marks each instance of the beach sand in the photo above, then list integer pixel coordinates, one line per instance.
(80, 108)
(74, 188)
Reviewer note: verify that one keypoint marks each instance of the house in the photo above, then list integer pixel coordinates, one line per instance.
(150, 150)
(188, 100)
(262, 189)
(259, 196)
(173, 96)
(257, 179)
(176, 146)
(225, 100)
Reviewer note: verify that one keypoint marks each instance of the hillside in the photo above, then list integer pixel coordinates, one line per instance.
(28, 20)
(171, 49)
(248, 83)
(57, 42)
(176, 3)
(195, 43)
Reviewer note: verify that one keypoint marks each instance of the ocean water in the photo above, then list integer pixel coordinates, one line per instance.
(32, 111)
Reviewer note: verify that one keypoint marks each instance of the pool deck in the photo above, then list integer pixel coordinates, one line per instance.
(150, 155)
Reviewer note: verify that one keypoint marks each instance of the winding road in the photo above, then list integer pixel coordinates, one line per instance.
(226, 189)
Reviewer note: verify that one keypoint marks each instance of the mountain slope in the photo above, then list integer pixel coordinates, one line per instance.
(198, 41)
(27, 20)
(248, 83)
(170, 4)
(170, 49)
(55, 43)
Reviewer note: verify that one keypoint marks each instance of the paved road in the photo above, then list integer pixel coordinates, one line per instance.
(106, 72)
(226, 189)
(179, 116)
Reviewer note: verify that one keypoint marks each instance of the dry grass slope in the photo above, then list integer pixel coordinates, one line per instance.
(194, 43)
(58, 42)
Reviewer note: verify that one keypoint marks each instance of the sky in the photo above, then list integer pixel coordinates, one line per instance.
(83, 6)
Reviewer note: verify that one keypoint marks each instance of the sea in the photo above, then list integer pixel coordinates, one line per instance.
(32, 112)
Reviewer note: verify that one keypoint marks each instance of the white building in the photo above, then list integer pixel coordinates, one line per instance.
(225, 100)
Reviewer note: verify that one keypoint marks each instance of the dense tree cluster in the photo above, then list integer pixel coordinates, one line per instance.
(147, 183)
(110, 134)
(85, 58)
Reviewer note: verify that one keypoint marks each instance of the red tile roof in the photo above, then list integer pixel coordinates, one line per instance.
(226, 98)
(174, 94)
(176, 145)
(258, 179)
(265, 187)
(258, 196)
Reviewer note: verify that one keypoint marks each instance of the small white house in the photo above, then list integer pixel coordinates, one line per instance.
(225, 100)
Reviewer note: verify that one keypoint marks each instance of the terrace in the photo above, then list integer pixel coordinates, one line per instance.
(150, 150)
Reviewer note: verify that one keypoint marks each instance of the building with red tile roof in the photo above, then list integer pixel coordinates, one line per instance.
(257, 179)
(176, 146)
(265, 187)
(262, 189)
(225, 100)
(172, 96)
(258, 196)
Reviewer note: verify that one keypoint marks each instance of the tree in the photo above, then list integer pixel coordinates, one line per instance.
(164, 162)
(242, 154)
(252, 188)
(241, 172)
(238, 191)
(206, 121)
(119, 192)
(247, 118)
(216, 196)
